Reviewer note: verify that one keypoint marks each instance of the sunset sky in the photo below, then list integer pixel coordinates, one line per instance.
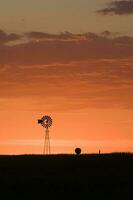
(72, 60)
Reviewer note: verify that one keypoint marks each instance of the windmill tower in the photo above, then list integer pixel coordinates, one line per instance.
(46, 122)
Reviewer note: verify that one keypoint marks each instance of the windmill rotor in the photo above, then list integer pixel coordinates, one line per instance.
(45, 121)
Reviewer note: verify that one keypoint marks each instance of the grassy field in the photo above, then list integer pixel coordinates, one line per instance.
(105, 176)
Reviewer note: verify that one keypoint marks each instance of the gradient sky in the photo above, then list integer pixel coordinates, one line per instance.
(71, 59)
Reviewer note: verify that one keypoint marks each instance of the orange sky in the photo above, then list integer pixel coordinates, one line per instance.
(78, 71)
(90, 103)
(92, 129)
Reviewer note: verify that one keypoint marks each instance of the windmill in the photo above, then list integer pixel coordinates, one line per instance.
(46, 122)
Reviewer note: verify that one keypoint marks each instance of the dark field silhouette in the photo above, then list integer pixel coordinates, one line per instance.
(104, 176)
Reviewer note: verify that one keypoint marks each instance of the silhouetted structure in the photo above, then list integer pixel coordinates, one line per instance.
(46, 122)
(78, 151)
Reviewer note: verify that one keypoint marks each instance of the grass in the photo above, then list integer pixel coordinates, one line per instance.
(90, 176)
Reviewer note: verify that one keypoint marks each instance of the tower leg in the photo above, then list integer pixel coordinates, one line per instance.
(46, 149)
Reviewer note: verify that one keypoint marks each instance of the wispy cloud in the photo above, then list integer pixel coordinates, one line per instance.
(77, 85)
(76, 72)
(43, 48)
(71, 143)
(6, 38)
(124, 7)
(64, 36)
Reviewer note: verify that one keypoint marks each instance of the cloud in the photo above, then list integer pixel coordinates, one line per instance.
(100, 83)
(124, 7)
(69, 143)
(43, 48)
(47, 36)
(80, 71)
(5, 38)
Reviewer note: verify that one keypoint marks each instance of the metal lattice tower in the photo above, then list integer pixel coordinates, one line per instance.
(46, 122)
